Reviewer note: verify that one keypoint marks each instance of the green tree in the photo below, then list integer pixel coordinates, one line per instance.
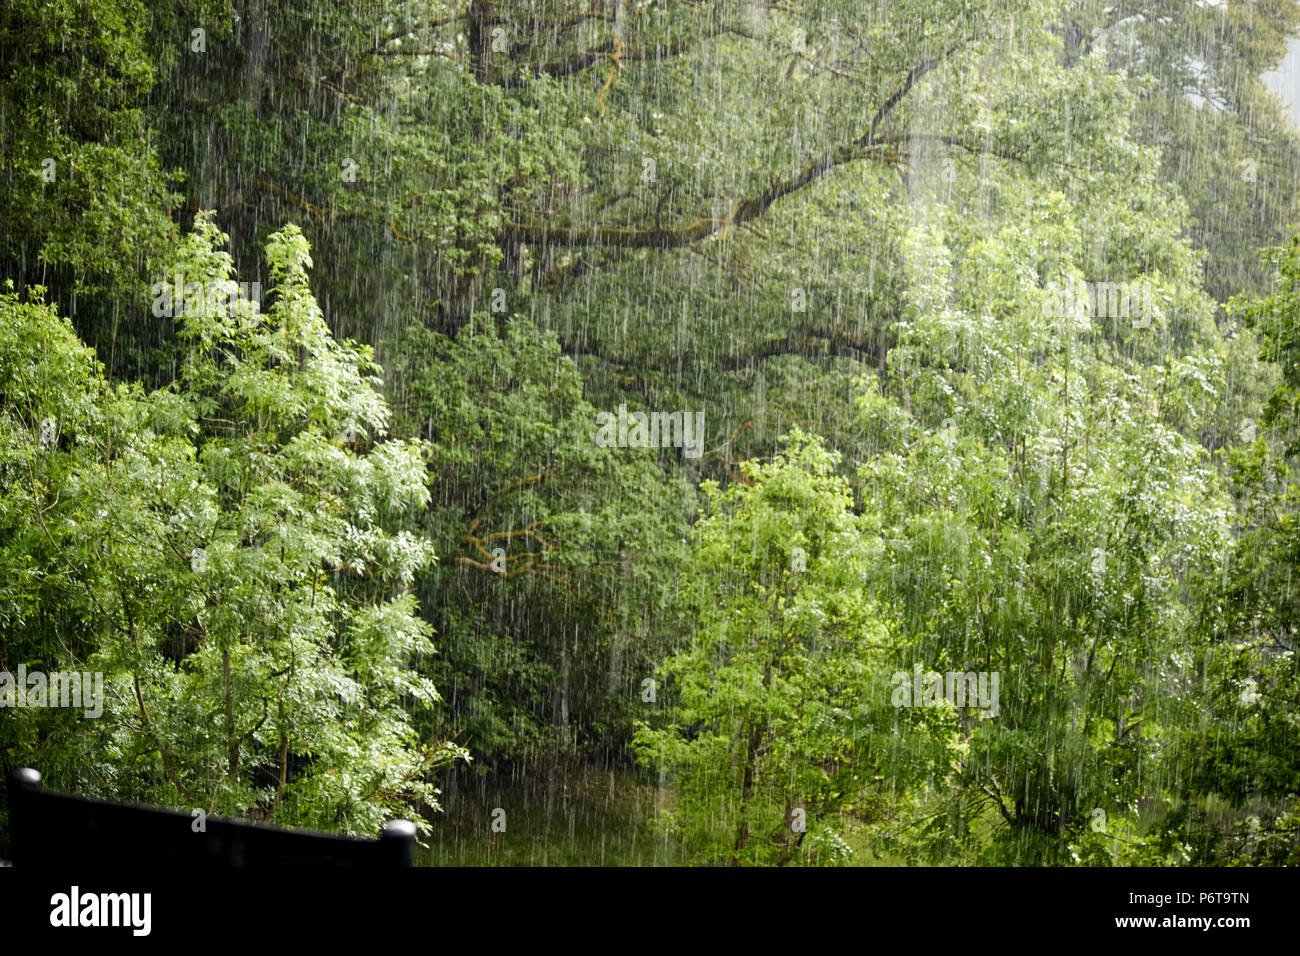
(781, 718)
(86, 202)
(233, 552)
(1225, 139)
(554, 597)
(1237, 763)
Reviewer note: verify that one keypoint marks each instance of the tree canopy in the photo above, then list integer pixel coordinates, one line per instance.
(411, 402)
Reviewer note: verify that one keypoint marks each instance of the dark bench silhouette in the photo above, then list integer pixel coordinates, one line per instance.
(46, 826)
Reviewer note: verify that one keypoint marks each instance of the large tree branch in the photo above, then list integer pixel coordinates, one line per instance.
(894, 98)
(677, 236)
(870, 143)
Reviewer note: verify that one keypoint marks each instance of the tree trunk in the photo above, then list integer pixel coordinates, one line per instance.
(232, 742)
(480, 39)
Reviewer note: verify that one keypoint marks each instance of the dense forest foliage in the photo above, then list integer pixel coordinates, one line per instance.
(868, 427)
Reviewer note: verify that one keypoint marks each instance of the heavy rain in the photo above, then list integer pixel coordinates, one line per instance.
(659, 432)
